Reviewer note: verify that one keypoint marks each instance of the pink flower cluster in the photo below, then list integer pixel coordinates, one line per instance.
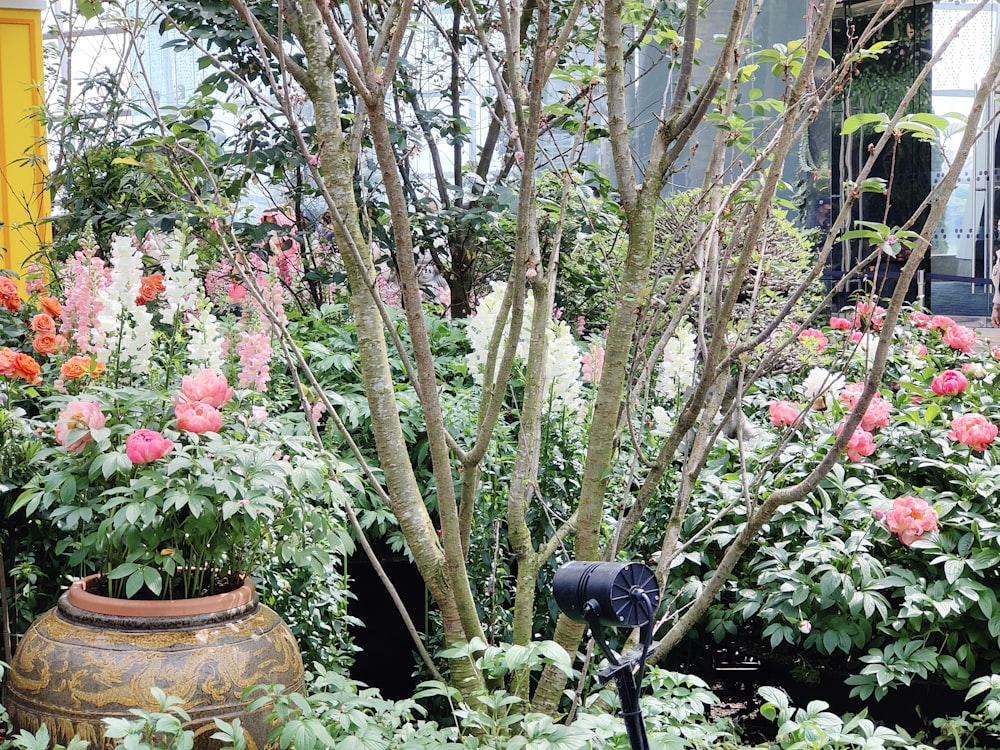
(910, 518)
(196, 410)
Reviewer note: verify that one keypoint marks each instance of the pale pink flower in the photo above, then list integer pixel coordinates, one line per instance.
(593, 363)
(840, 324)
(860, 446)
(940, 321)
(918, 350)
(949, 383)
(254, 349)
(973, 430)
(197, 417)
(920, 319)
(805, 627)
(581, 322)
(959, 337)
(79, 416)
(146, 446)
(911, 517)
(258, 413)
(813, 340)
(850, 394)
(208, 386)
(784, 413)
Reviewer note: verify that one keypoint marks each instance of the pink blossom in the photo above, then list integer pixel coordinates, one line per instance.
(949, 383)
(258, 413)
(593, 363)
(76, 417)
(840, 324)
(146, 446)
(254, 349)
(995, 351)
(973, 430)
(860, 446)
(197, 417)
(918, 350)
(208, 386)
(784, 413)
(910, 517)
(920, 319)
(855, 337)
(940, 321)
(960, 337)
(869, 313)
(850, 394)
(877, 413)
(813, 340)
(581, 322)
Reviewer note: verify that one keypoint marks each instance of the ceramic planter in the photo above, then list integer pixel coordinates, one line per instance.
(93, 657)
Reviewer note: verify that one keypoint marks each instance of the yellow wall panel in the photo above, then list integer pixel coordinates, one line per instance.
(23, 201)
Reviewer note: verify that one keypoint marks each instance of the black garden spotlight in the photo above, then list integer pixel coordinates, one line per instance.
(619, 595)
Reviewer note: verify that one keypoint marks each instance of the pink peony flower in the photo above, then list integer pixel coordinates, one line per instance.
(146, 446)
(910, 518)
(918, 350)
(813, 340)
(850, 394)
(197, 417)
(784, 413)
(949, 383)
(877, 413)
(840, 324)
(860, 446)
(940, 321)
(960, 337)
(920, 319)
(79, 416)
(995, 351)
(207, 386)
(973, 430)
(870, 313)
(855, 337)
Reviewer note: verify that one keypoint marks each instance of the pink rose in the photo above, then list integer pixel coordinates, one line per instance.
(784, 413)
(840, 324)
(76, 417)
(207, 386)
(960, 337)
(813, 340)
(198, 417)
(860, 446)
(911, 517)
(940, 321)
(973, 430)
(949, 383)
(146, 446)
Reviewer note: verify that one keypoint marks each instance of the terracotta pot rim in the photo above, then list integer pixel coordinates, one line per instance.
(80, 597)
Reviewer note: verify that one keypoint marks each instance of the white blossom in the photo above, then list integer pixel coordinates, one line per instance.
(676, 370)
(821, 383)
(562, 371)
(125, 329)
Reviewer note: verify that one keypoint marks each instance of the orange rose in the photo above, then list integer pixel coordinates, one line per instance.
(45, 343)
(24, 366)
(76, 367)
(149, 287)
(43, 323)
(50, 305)
(8, 294)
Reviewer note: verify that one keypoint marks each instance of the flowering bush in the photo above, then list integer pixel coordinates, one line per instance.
(153, 488)
(890, 561)
(157, 472)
